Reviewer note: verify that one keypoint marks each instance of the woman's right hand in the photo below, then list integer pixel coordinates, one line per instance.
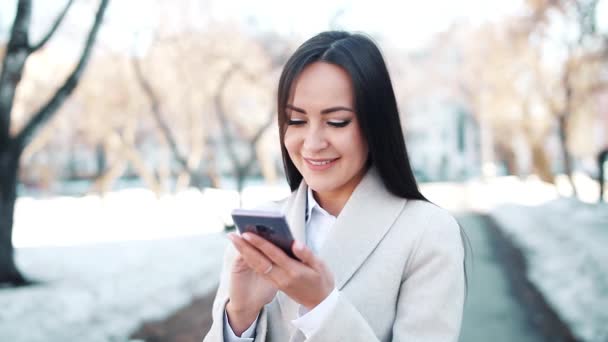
(249, 292)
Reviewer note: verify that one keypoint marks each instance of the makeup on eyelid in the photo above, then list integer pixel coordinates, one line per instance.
(338, 124)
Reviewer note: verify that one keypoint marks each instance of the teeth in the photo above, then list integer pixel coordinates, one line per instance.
(319, 163)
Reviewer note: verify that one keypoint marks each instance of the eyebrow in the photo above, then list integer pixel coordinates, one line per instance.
(324, 111)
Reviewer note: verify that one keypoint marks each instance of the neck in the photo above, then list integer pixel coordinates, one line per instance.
(333, 203)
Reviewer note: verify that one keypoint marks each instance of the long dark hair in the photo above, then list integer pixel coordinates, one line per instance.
(375, 105)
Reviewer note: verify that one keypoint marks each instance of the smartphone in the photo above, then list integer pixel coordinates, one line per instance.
(270, 225)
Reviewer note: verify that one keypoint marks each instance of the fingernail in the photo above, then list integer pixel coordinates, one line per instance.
(247, 236)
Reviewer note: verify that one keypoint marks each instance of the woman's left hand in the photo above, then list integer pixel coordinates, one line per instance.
(308, 282)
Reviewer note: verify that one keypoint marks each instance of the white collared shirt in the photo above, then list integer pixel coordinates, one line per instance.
(318, 224)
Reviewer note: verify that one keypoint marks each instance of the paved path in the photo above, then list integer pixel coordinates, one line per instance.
(491, 312)
(503, 305)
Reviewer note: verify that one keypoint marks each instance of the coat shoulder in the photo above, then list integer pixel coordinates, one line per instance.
(429, 218)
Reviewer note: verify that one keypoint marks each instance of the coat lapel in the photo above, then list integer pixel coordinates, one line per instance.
(365, 219)
(295, 209)
(294, 212)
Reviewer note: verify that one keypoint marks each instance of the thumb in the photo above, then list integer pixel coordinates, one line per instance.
(304, 254)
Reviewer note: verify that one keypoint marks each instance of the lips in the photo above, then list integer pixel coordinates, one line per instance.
(320, 164)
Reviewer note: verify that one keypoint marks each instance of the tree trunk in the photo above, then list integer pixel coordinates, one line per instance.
(509, 158)
(541, 163)
(565, 153)
(240, 175)
(11, 148)
(9, 166)
(211, 162)
(101, 160)
(601, 160)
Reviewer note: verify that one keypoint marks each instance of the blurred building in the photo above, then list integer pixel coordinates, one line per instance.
(442, 139)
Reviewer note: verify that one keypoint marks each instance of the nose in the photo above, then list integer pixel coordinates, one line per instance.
(315, 140)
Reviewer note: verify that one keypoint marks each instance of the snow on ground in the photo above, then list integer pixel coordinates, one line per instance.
(107, 263)
(565, 243)
(130, 214)
(102, 292)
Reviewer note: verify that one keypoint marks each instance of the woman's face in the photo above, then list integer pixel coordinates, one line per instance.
(323, 137)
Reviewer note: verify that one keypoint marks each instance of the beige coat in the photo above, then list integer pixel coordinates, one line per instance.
(397, 263)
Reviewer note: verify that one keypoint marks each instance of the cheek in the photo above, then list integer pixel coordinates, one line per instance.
(362, 146)
(356, 145)
(290, 140)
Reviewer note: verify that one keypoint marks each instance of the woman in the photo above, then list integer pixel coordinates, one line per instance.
(378, 262)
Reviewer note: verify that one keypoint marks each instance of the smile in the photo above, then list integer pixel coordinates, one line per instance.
(320, 164)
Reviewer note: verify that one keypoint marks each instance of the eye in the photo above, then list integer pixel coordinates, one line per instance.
(295, 122)
(340, 123)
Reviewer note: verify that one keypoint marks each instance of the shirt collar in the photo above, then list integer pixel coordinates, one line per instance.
(312, 204)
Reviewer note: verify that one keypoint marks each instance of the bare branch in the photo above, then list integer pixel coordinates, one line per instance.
(158, 116)
(254, 141)
(262, 128)
(241, 168)
(12, 66)
(51, 32)
(221, 113)
(51, 107)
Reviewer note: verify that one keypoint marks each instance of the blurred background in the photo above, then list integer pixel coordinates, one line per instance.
(130, 129)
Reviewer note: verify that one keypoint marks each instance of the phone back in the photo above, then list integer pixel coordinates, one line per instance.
(271, 226)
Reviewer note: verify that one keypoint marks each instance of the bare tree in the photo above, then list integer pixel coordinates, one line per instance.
(18, 50)
(573, 86)
(241, 168)
(182, 57)
(194, 72)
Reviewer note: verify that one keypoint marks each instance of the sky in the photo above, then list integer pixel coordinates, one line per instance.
(406, 24)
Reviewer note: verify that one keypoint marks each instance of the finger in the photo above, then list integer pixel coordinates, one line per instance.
(305, 254)
(268, 271)
(252, 257)
(274, 253)
(239, 264)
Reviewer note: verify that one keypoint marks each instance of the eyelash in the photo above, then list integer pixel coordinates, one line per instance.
(334, 124)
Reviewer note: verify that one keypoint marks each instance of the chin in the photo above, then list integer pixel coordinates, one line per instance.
(321, 185)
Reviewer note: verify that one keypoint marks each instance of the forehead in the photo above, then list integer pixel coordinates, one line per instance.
(321, 84)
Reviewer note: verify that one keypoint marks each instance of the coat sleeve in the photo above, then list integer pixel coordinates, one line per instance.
(216, 333)
(431, 296)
